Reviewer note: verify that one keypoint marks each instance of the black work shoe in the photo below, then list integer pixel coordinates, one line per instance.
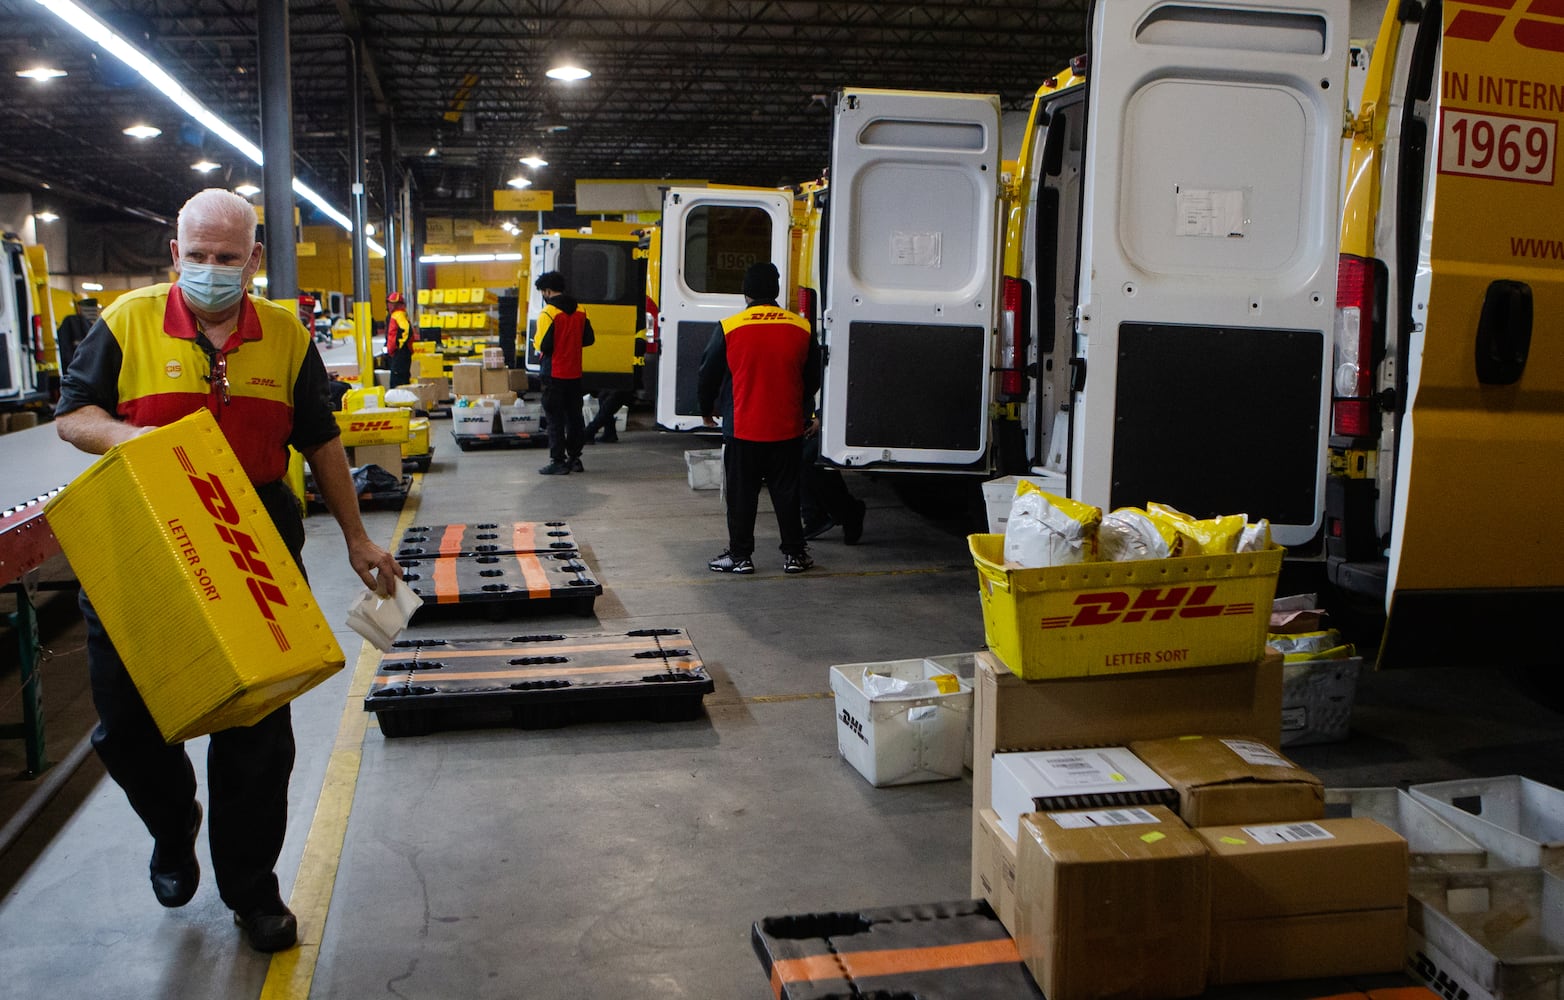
(555, 469)
(813, 531)
(269, 927)
(852, 530)
(797, 563)
(610, 437)
(729, 563)
(576, 466)
(177, 873)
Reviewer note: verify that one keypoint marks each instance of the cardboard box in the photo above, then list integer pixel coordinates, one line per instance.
(1124, 617)
(373, 425)
(467, 378)
(343, 369)
(1306, 900)
(417, 443)
(517, 379)
(23, 420)
(1054, 780)
(205, 604)
(1222, 781)
(387, 456)
(994, 867)
(1012, 714)
(439, 387)
(495, 380)
(1112, 904)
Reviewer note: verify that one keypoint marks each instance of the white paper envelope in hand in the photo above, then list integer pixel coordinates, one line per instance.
(381, 619)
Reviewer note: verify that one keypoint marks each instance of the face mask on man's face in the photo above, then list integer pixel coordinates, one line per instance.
(211, 287)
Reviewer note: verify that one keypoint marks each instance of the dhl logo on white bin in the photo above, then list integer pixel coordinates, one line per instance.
(193, 583)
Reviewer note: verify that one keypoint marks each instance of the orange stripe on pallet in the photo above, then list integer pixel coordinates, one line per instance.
(1404, 993)
(446, 589)
(522, 537)
(545, 671)
(532, 572)
(894, 961)
(451, 539)
(541, 649)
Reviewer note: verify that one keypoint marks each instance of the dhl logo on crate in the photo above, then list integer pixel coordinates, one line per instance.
(1121, 617)
(374, 425)
(203, 600)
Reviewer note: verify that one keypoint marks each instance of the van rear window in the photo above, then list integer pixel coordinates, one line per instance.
(720, 243)
(602, 273)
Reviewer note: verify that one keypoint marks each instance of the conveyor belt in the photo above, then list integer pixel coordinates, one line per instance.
(423, 541)
(37, 464)
(544, 679)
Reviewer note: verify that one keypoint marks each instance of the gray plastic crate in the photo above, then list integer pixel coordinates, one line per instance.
(1488, 935)
(1433, 844)
(1519, 821)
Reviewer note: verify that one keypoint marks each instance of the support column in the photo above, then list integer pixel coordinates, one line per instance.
(276, 91)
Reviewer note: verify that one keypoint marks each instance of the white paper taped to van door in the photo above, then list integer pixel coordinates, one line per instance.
(1207, 212)
(915, 249)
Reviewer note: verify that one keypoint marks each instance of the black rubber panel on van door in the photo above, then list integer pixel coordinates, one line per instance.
(693, 338)
(915, 386)
(1219, 420)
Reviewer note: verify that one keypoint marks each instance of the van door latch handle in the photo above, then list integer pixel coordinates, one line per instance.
(1504, 333)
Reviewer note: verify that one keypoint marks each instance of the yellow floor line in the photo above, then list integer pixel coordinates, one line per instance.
(762, 699)
(292, 972)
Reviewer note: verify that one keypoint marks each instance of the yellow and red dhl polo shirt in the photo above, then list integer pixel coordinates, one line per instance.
(143, 363)
(767, 350)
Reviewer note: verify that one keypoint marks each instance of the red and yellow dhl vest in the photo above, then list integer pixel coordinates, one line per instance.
(565, 357)
(165, 375)
(767, 348)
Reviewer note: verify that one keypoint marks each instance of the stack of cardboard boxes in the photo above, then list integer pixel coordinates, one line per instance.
(1133, 825)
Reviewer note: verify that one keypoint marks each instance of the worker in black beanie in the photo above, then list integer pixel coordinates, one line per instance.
(764, 366)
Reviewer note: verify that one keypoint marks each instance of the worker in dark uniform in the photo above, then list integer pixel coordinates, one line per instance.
(563, 331)
(73, 330)
(158, 354)
(763, 366)
(400, 335)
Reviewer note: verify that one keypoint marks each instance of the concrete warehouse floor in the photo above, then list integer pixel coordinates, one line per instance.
(623, 859)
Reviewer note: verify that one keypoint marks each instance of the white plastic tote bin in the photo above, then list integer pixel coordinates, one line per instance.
(1317, 699)
(1519, 821)
(1488, 935)
(469, 420)
(900, 739)
(999, 493)
(1433, 844)
(705, 468)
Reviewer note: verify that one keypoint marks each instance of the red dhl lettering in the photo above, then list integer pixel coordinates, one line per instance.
(264, 381)
(1154, 604)
(370, 425)
(242, 549)
(1481, 21)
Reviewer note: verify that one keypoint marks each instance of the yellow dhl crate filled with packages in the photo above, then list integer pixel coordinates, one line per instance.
(203, 601)
(373, 425)
(1070, 592)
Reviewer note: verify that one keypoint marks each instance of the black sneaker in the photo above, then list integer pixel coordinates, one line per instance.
(269, 926)
(610, 437)
(729, 563)
(576, 466)
(555, 469)
(797, 563)
(176, 874)
(818, 528)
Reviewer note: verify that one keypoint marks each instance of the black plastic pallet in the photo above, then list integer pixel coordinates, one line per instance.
(427, 541)
(536, 681)
(368, 500)
(467, 442)
(501, 584)
(936, 951)
(418, 463)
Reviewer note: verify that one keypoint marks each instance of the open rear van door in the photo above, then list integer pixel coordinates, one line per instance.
(710, 237)
(1208, 279)
(912, 238)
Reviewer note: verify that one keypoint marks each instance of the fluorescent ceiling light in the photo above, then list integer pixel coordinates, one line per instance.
(507, 256)
(86, 22)
(43, 74)
(474, 258)
(437, 258)
(567, 72)
(432, 152)
(519, 182)
(534, 161)
(91, 286)
(45, 216)
(369, 229)
(143, 131)
(247, 190)
(204, 166)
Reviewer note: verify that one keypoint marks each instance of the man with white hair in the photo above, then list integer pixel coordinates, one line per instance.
(155, 355)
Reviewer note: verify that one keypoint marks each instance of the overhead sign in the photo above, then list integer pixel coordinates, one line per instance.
(508, 200)
(491, 236)
(438, 229)
(439, 248)
(304, 249)
(464, 228)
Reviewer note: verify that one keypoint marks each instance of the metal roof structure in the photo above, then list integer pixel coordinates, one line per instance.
(731, 92)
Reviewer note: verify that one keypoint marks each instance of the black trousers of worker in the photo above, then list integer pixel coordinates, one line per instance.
(823, 493)
(747, 465)
(401, 366)
(247, 767)
(566, 426)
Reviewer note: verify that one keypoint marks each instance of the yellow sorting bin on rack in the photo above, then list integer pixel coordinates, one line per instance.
(1124, 617)
(204, 603)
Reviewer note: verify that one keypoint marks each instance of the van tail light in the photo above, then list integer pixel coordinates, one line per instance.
(1012, 339)
(653, 342)
(807, 301)
(1353, 411)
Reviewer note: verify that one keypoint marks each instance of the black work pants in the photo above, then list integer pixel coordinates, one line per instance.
(821, 489)
(747, 465)
(566, 427)
(247, 767)
(609, 403)
(401, 366)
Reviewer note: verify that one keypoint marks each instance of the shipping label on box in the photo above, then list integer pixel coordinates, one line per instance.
(215, 623)
(1114, 904)
(1224, 781)
(1053, 780)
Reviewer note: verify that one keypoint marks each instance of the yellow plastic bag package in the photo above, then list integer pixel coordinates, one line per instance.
(1046, 530)
(1217, 536)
